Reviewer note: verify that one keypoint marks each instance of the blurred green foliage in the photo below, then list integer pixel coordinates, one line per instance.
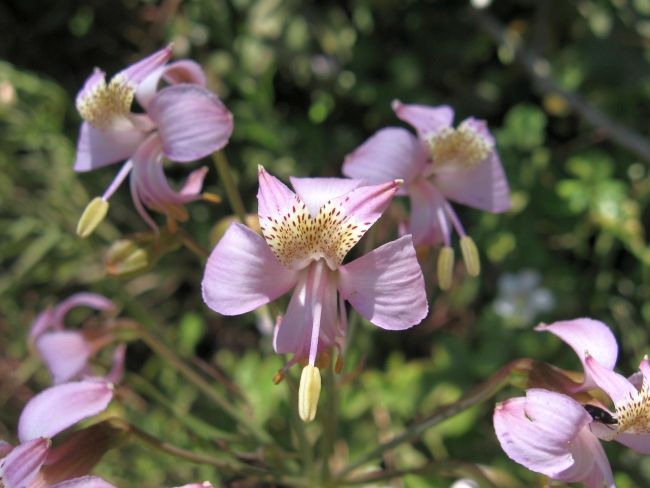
(308, 82)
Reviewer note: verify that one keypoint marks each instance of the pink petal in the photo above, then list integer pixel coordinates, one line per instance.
(242, 273)
(72, 402)
(366, 204)
(23, 463)
(386, 285)
(294, 330)
(591, 465)
(426, 204)
(392, 153)
(5, 448)
(274, 198)
(194, 183)
(484, 187)
(316, 192)
(183, 71)
(192, 121)
(96, 148)
(82, 299)
(537, 430)
(151, 184)
(427, 120)
(94, 80)
(43, 322)
(65, 353)
(116, 374)
(617, 387)
(586, 335)
(138, 72)
(84, 482)
(638, 442)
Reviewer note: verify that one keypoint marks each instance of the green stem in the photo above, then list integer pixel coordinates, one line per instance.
(228, 182)
(476, 395)
(330, 421)
(193, 457)
(192, 245)
(199, 427)
(166, 353)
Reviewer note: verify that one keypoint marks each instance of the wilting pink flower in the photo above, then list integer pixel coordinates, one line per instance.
(441, 164)
(549, 433)
(67, 352)
(546, 429)
(48, 413)
(307, 235)
(183, 122)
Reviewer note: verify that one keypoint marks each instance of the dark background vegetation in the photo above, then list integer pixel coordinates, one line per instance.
(307, 82)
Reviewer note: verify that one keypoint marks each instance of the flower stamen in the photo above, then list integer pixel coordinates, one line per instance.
(101, 104)
(462, 146)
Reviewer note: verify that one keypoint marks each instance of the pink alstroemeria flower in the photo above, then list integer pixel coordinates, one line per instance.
(307, 235)
(183, 122)
(48, 413)
(549, 433)
(441, 164)
(543, 439)
(65, 352)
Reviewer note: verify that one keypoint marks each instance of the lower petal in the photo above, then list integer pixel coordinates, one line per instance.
(424, 223)
(23, 463)
(242, 273)
(72, 402)
(96, 148)
(484, 187)
(386, 285)
(65, 353)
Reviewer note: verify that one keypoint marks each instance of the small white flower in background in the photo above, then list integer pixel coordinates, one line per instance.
(465, 483)
(521, 298)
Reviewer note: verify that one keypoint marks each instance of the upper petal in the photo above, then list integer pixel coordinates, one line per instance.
(386, 285)
(138, 72)
(425, 119)
(586, 335)
(617, 387)
(183, 71)
(392, 153)
(97, 148)
(242, 273)
(82, 299)
(72, 402)
(23, 463)
(274, 198)
(192, 121)
(316, 192)
(484, 187)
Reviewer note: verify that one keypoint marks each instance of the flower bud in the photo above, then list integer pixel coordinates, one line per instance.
(470, 256)
(445, 267)
(126, 257)
(308, 393)
(92, 217)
